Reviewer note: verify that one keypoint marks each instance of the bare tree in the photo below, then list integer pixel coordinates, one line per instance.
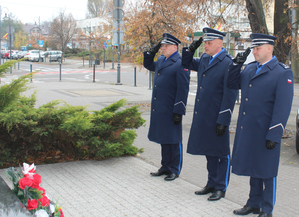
(63, 29)
(97, 8)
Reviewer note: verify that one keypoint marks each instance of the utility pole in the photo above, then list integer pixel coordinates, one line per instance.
(118, 14)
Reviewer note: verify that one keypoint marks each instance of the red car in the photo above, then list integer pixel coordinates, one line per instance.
(6, 55)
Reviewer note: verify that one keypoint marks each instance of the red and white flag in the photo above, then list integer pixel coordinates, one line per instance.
(289, 81)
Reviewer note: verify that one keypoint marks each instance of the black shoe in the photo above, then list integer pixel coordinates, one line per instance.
(171, 177)
(160, 172)
(217, 195)
(246, 210)
(263, 214)
(205, 190)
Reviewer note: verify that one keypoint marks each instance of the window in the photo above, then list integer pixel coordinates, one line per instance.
(245, 23)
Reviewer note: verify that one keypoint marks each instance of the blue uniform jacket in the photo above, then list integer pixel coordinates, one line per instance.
(214, 103)
(170, 93)
(266, 102)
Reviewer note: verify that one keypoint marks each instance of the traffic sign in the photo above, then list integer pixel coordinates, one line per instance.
(105, 45)
(41, 43)
(118, 3)
(118, 13)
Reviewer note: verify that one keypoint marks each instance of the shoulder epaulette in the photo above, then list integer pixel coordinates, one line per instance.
(284, 65)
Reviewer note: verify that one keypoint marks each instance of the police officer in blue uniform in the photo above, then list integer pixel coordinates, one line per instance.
(214, 104)
(267, 94)
(169, 100)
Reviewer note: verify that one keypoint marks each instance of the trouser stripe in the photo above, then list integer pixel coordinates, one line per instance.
(227, 172)
(274, 191)
(180, 164)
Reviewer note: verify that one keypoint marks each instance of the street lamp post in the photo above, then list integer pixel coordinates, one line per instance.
(1, 29)
(9, 33)
(88, 28)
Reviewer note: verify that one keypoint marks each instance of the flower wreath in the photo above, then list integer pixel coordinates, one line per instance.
(28, 190)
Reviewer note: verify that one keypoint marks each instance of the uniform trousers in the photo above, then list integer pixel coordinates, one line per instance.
(172, 158)
(262, 194)
(219, 172)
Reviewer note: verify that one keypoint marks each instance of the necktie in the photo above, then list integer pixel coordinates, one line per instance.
(210, 59)
(259, 67)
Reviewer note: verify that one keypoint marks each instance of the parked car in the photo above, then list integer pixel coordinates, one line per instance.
(2, 53)
(26, 57)
(15, 56)
(35, 57)
(54, 55)
(21, 54)
(7, 54)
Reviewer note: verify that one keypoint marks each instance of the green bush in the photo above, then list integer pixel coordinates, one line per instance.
(26, 131)
(84, 53)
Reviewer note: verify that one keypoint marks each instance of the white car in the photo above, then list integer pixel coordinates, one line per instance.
(36, 57)
(31, 52)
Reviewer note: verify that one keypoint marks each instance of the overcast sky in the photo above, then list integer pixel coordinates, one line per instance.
(31, 10)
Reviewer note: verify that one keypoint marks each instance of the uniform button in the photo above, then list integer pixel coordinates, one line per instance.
(195, 112)
(243, 113)
(155, 85)
(200, 88)
(158, 73)
(250, 85)
(203, 75)
(155, 98)
(241, 127)
(246, 99)
(153, 110)
(197, 100)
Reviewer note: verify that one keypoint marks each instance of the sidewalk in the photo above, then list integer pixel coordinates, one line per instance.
(124, 187)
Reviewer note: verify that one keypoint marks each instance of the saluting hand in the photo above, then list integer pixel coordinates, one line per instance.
(155, 48)
(177, 118)
(270, 144)
(220, 129)
(241, 57)
(195, 44)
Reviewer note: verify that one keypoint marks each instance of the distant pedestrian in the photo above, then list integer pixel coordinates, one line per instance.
(214, 104)
(169, 100)
(267, 94)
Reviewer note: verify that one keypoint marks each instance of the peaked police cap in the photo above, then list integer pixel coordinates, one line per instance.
(170, 39)
(211, 34)
(260, 39)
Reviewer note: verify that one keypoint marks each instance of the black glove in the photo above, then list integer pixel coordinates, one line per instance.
(177, 118)
(195, 44)
(220, 129)
(155, 48)
(270, 144)
(241, 57)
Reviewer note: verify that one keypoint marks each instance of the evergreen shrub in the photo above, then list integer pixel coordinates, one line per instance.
(27, 132)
